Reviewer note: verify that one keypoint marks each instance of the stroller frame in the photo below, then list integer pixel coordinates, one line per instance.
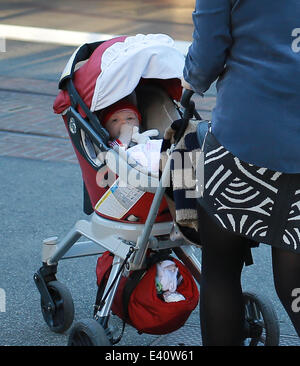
(129, 247)
(141, 238)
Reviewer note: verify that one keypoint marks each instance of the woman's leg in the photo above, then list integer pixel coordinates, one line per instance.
(286, 271)
(221, 299)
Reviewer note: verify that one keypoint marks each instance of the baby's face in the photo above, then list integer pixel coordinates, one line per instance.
(118, 119)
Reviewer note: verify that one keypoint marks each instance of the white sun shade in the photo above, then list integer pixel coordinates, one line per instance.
(125, 63)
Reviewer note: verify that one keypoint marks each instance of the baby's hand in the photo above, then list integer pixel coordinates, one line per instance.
(142, 138)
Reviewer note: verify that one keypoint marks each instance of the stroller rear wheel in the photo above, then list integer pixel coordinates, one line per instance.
(61, 317)
(88, 332)
(262, 327)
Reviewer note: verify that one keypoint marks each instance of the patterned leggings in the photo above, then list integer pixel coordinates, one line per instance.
(221, 299)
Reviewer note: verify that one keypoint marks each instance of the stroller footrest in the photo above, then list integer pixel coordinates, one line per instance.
(84, 249)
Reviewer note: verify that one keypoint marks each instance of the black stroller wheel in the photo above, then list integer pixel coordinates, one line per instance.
(61, 317)
(88, 332)
(262, 326)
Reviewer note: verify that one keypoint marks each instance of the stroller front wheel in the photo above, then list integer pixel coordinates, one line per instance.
(61, 317)
(88, 332)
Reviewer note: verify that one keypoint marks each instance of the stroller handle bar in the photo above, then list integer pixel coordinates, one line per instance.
(189, 105)
(189, 111)
(186, 98)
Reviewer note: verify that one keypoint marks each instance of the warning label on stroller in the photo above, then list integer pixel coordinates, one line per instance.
(118, 200)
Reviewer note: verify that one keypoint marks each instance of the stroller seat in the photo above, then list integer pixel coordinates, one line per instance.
(155, 100)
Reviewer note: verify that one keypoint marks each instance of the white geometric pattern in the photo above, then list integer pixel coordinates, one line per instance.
(244, 195)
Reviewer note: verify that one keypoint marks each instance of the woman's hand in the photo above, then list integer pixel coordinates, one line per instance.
(185, 84)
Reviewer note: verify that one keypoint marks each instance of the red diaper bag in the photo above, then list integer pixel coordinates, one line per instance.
(137, 301)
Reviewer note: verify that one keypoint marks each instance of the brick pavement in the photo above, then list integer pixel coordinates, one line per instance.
(29, 128)
(29, 113)
(34, 86)
(36, 147)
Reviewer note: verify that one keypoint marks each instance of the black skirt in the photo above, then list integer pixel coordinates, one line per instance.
(260, 204)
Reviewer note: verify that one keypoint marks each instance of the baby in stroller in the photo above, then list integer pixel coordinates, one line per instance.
(122, 120)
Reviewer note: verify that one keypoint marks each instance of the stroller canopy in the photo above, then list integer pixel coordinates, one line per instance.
(116, 67)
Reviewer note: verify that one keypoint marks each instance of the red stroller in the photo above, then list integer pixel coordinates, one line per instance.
(97, 75)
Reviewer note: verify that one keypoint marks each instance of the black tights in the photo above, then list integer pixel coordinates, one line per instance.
(221, 299)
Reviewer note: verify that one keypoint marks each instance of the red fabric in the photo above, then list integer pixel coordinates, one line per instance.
(147, 312)
(86, 76)
(103, 265)
(85, 79)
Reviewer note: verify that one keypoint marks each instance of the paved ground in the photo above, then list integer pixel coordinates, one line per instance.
(173, 17)
(40, 178)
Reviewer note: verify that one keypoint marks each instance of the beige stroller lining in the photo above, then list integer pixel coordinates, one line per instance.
(157, 108)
